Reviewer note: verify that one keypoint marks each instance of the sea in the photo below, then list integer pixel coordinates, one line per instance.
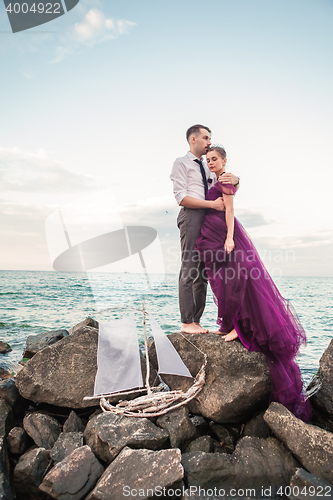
(33, 302)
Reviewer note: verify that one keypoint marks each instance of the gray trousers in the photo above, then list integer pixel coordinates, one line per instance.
(192, 276)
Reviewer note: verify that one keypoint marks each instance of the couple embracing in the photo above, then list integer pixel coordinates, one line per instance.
(215, 246)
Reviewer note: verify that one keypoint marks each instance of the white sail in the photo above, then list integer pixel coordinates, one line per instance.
(168, 358)
(118, 357)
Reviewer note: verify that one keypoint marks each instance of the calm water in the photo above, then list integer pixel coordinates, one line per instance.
(32, 302)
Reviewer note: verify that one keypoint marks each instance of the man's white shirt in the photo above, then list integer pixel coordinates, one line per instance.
(187, 179)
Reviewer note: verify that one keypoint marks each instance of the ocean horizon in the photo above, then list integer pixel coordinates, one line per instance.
(33, 302)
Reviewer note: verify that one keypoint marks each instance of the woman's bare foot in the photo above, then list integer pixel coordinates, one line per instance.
(230, 336)
(192, 328)
(220, 333)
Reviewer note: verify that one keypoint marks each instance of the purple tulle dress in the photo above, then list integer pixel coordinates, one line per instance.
(249, 301)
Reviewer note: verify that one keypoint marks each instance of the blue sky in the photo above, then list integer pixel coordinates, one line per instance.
(102, 97)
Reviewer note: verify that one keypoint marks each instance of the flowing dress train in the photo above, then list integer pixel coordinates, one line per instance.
(249, 301)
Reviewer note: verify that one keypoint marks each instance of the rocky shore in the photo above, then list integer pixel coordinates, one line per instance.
(227, 443)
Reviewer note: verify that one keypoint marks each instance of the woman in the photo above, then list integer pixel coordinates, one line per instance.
(249, 304)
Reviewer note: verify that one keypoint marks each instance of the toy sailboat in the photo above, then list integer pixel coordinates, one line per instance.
(119, 370)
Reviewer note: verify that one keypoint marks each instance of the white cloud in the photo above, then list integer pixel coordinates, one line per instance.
(95, 28)
(21, 219)
(22, 171)
(23, 243)
(162, 213)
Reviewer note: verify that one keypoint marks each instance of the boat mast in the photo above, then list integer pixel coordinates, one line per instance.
(149, 391)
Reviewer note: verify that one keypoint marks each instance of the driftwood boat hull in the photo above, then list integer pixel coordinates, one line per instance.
(158, 403)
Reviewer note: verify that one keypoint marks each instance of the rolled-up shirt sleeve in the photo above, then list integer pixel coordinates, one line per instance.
(179, 179)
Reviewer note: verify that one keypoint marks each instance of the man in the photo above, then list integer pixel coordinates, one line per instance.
(190, 184)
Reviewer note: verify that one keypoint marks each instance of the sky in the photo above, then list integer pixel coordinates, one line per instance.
(98, 101)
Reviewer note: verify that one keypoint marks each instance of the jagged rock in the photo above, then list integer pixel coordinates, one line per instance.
(66, 444)
(321, 419)
(218, 448)
(74, 477)
(73, 423)
(311, 445)
(36, 343)
(87, 322)
(17, 440)
(226, 437)
(29, 472)
(107, 434)
(179, 426)
(8, 391)
(4, 348)
(322, 401)
(256, 463)
(301, 482)
(5, 490)
(43, 429)
(5, 373)
(201, 425)
(257, 427)
(237, 381)
(8, 368)
(203, 443)
(45, 378)
(98, 411)
(6, 416)
(142, 471)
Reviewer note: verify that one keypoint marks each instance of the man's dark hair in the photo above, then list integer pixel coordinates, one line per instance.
(195, 129)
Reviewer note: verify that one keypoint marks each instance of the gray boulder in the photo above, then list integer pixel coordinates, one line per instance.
(35, 343)
(179, 426)
(29, 473)
(4, 347)
(66, 444)
(17, 440)
(311, 445)
(8, 391)
(203, 443)
(257, 427)
(73, 423)
(43, 429)
(107, 434)
(5, 373)
(5, 490)
(74, 477)
(256, 463)
(140, 472)
(226, 437)
(237, 381)
(6, 417)
(201, 425)
(322, 401)
(304, 486)
(86, 322)
(45, 378)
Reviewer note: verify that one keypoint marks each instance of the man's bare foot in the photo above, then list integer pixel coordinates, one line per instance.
(230, 336)
(198, 324)
(217, 332)
(192, 328)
